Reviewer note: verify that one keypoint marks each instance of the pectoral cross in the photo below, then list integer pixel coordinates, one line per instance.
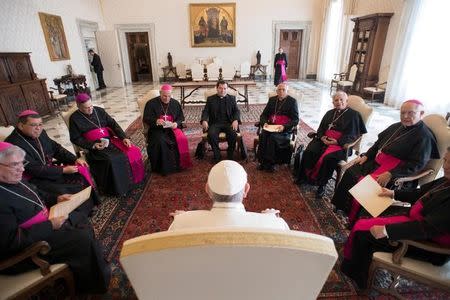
(165, 117)
(102, 131)
(331, 125)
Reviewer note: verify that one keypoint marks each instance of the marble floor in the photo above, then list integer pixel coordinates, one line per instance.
(121, 104)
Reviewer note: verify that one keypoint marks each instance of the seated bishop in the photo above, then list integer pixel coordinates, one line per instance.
(50, 166)
(115, 163)
(167, 148)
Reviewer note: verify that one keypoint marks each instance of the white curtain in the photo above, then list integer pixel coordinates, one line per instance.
(330, 43)
(421, 60)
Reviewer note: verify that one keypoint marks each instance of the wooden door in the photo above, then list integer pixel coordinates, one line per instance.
(20, 68)
(291, 42)
(139, 56)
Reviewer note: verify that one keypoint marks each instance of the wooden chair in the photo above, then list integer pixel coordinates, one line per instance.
(27, 284)
(222, 135)
(57, 99)
(223, 264)
(420, 271)
(375, 90)
(66, 117)
(5, 132)
(295, 94)
(346, 83)
(336, 78)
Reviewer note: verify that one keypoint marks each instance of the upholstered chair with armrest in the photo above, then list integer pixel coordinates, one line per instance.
(335, 79)
(441, 131)
(223, 263)
(245, 70)
(420, 271)
(356, 103)
(346, 83)
(379, 88)
(296, 95)
(181, 72)
(141, 101)
(66, 117)
(222, 135)
(5, 132)
(57, 98)
(213, 72)
(30, 283)
(197, 72)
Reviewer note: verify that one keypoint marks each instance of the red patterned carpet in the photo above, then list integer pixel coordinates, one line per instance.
(146, 210)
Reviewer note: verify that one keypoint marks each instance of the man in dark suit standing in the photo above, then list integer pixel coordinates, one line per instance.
(221, 114)
(96, 63)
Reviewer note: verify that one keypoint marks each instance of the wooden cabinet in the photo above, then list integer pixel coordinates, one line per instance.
(20, 89)
(369, 37)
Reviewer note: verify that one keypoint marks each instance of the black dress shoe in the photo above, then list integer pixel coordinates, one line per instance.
(320, 191)
(261, 167)
(271, 168)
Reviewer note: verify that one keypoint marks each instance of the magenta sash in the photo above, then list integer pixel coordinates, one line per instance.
(40, 217)
(84, 171)
(279, 119)
(133, 153)
(182, 144)
(415, 214)
(387, 162)
(282, 64)
(312, 173)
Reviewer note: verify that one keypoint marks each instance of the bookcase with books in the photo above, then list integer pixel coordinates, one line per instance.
(369, 37)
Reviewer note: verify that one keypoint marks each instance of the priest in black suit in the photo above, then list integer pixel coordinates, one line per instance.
(221, 114)
(96, 63)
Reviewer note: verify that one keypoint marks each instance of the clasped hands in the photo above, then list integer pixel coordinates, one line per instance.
(328, 140)
(101, 145)
(382, 179)
(74, 168)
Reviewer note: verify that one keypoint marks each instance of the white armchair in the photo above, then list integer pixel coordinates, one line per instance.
(225, 264)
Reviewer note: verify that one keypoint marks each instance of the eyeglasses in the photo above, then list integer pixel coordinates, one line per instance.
(410, 113)
(35, 124)
(16, 164)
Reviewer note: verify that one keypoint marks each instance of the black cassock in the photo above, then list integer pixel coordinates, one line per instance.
(413, 145)
(74, 243)
(44, 172)
(110, 166)
(350, 124)
(435, 223)
(274, 147)
(162, 147)
(277, 77)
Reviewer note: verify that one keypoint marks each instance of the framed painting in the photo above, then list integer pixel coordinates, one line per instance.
(213, 24)
(55, 37)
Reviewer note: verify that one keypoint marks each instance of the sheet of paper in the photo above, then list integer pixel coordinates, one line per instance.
(66, 207)
(271, 128)
(366, 193)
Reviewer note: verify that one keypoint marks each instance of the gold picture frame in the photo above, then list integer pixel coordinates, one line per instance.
(55, 37)
(212, 24)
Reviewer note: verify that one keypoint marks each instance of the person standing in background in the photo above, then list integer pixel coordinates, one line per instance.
(96, 63)
(280, 65)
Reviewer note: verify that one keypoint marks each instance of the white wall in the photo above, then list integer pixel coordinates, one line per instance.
(21, 31)
(253, 27)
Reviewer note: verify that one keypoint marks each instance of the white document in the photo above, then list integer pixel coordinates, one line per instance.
(366, 193)
(271, 128)
(66, 207)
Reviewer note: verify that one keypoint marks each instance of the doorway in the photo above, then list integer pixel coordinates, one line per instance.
(139, 56)
(291, 42)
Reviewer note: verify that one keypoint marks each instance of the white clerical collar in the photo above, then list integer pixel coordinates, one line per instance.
(231, 205)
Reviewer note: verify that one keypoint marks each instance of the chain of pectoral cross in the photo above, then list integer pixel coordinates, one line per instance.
(99, 126)
(331, 125)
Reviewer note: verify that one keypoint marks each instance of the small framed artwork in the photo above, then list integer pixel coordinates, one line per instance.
(213, 24)
(55, 37)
